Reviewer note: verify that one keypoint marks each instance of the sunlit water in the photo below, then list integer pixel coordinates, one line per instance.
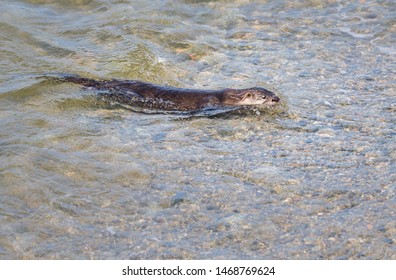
(81, 178)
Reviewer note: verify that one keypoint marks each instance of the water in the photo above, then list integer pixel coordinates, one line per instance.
(313, 179)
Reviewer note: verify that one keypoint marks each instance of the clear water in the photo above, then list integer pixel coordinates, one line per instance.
(314, 179)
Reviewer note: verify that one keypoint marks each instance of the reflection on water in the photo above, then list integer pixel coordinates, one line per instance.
(82, 178)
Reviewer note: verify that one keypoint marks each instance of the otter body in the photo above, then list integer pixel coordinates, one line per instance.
(175, 99)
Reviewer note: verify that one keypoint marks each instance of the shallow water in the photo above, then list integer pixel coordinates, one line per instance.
(313, 179)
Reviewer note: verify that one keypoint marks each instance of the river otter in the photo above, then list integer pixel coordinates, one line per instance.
(174, 99)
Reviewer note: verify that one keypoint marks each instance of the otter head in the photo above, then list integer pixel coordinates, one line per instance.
(250, 96)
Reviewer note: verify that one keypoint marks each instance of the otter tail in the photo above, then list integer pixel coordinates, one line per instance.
(75, 79)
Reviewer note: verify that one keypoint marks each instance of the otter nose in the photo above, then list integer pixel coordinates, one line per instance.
(275, 99)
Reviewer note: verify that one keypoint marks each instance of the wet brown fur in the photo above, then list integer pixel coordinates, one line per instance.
(164, 97)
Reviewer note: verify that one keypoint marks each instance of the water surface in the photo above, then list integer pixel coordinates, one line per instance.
(84, 179)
